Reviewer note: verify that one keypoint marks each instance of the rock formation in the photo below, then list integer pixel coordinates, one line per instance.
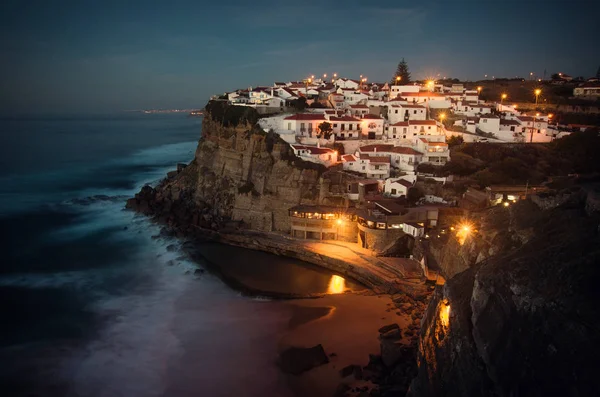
(240, 174)
(522, 319)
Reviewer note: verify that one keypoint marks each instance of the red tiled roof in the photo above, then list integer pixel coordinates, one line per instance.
(420, 94)
(313, 149)
(376, 159)
(359, 106)
(371, 116)
(422, 122)
(344, 118)
(413, 106)
(509, 122)
(405, 150)
(403, 182)
(306, 116)
(348, 157)
(401, 124)
(376, 148)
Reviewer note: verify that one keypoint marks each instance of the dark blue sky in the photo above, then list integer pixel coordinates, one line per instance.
(98, 56)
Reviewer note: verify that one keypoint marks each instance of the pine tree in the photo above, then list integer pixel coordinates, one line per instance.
(402, 72)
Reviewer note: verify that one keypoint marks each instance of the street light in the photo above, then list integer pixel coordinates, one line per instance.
(442, 117)
(502, 98)
(398, 78)
(478, 90)
(537, 93)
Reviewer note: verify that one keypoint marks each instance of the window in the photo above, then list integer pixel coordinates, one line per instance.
(429, 127)
(289, 126)
(350, 135)
(394, 130)
(393, 136)
(396, 111)
(335, 126)
(349, 126)
(414, 112)
(485, 120)
(302, 127)
(404, 136)
(404, 130)
(343, 127)
(393, 191)
(512, 128)
(363, 167)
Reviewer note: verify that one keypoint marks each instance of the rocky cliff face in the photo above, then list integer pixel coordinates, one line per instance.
(522, 319)
(238, 174)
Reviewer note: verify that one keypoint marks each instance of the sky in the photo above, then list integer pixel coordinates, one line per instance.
(99, 56)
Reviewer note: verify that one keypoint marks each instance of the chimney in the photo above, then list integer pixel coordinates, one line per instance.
(271, 91)
(319, 143)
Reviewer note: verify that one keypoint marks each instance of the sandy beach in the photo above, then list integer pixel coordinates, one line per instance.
(347, 327)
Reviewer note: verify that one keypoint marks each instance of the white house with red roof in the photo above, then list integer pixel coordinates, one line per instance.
(377, 167)
(401, 157)
(397, 89)
(535, 128)
(472, 108)
(436, 153)
(352, 96)
(336, 100)
(413, 129)
(346, 127)
(315, 154)
(424, 97)
(303, 124)
(405, 112)
(372, 126)
(396, 187)
(347, 83)
(358, 110)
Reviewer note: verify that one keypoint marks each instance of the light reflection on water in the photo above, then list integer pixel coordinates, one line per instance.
(337, 285)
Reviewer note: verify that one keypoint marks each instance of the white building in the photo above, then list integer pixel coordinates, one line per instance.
(413, 129)
(347, 83)
(414, 229)
(436, 153)
(346, 127)
(489, 123)
(406, 112)
(395, 90)
(587, 90)
(359, 110)
(472, 109)
(377, 167)
(535, 129)
(315, 154)
(401, 157)
(303, 124)
(396, 187)
(372, 126)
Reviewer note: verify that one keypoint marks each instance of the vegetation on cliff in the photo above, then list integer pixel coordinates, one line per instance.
(488, 163)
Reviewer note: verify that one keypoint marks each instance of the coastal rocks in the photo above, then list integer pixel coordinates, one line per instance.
(522, 322)
(297, 360)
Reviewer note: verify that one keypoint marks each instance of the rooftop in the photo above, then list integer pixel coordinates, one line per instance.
(306, 116)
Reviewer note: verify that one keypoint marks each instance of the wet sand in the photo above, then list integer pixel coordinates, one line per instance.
(347, 326)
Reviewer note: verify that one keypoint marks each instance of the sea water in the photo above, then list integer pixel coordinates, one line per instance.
(92, 302)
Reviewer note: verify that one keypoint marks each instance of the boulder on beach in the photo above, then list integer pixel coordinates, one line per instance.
(388, 327)
(297, 360)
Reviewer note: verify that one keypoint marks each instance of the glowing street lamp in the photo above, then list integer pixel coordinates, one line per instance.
(537, 93)
(442, 117)
(478, 90)
(502, 98)
(398, 78)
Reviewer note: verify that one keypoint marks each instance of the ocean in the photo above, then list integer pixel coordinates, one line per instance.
(93, 300)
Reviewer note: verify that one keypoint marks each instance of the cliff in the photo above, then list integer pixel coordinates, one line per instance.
(240, 177)
(520, 316)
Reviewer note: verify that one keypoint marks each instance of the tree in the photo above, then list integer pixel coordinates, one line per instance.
(299, 104)
(316, 105)
(414, 194)
(402, 72)
(325, 130)
(455, 140)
